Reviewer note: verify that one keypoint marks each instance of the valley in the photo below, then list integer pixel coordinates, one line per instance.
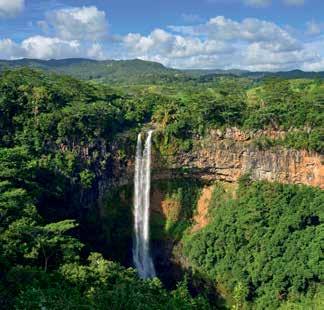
(236, 189)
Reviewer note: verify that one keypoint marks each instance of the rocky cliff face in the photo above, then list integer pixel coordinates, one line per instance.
(229, 155)
(224, 156)
(220, 156)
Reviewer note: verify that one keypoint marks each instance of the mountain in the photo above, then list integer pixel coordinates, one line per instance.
(205, 72)
(293, 74)
(131, 71)
(138, 71)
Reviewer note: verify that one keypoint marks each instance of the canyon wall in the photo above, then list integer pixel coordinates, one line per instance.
(219, 156)
(228, 155)
(224, 156)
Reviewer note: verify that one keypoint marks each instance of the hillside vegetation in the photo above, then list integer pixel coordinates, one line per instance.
(60, 135)
(138, 71)
(112, 71)
(264, 244)
(47, 123)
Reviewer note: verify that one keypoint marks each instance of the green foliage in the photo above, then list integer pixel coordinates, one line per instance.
(274, 104)
(59, 135)
(45, 111)
(265, 245)
(110, 71)
(240, 294)
(314, 299)
(281, 105)
(94, 286)
(86, 178)
(182, 118)
(117, 221)
(182, 196)
(138, 71)
(63, 122)
(296, 139)
(56, 134)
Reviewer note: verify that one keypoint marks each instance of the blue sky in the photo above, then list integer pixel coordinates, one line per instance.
(246, 34)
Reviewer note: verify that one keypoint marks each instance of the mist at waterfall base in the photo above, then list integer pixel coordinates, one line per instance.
(142, 183)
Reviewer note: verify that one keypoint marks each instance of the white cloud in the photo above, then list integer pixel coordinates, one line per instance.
(47, 48)
(80, 23)
(251, 43)
(96, 51)
(314, 66)
(165, 44)
(318, 47)
(259, 57)
(294, 2)
(41, 47)
(11, 8)
(257, 3)
(314, 28)
(76, 33)
(250, 30)
(224, 43)
(9, 49)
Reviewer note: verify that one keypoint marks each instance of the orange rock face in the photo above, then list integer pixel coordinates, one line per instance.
(232, 155)
(226, 156)
(168, 207)
(201, 217)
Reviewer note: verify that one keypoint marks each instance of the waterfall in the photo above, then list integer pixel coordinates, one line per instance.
(142, 183)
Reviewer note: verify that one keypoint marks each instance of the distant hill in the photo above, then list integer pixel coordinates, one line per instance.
(131, 71)
(293, 74)
(139, 71)
(204, 72)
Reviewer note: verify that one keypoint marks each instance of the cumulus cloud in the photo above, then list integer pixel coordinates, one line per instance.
(251, 44)
(96, 51)
(9, 49)
(47, 48)
(314, 66)
(259, 57)
(165, 44)
(220, 42)
(317, 46)
(42, 47)
(250, 30)
(314, 28)
(11, 8)
(79, 23)
(70, 32)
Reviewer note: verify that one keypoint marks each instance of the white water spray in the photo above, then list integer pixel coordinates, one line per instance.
(142, 184)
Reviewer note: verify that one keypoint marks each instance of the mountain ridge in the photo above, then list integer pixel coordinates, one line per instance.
(134, 70)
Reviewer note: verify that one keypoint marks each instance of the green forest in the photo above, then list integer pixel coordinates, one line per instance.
(265, 245)
(59, 137)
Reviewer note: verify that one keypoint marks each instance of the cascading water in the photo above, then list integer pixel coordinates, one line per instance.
(142, 183)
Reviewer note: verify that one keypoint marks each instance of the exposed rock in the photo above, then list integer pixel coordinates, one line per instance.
(227, 159)
(201, 217)
(226, 156)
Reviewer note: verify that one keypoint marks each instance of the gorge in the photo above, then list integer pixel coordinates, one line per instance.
(226, 156)
(183, 187)
(226, 197)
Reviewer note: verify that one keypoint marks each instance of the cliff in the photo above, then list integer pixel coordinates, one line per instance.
(228, 155)
(182, 187)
